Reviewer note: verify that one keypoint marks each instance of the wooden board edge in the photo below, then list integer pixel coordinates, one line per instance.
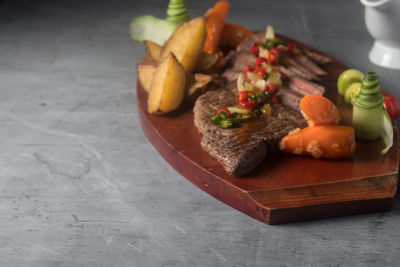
(330, 210)
(318, 201)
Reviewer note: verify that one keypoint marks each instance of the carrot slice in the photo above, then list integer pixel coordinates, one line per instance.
(325, 141)
(319, 110)
(215, 20)
(232, 35)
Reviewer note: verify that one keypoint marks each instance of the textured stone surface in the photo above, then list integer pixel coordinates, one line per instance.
(80, 185)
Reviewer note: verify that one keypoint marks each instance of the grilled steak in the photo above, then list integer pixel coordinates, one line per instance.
(239, 150)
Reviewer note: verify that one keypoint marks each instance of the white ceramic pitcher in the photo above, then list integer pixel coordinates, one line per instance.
(382, 18)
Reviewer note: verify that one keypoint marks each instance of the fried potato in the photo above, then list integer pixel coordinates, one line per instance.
(193, 82)
(204, 61)
(145, 75)
(167, 87)
(153, 50)
(186, 43)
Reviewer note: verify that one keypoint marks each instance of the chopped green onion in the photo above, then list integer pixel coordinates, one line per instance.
(270, 43)
(226, 123)
(216, 119)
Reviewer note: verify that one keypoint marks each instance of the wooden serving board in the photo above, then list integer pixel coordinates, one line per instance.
(284, 187)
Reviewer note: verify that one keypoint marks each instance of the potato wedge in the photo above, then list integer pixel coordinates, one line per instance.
(153, 50)
(145, 75)
(167, 87)
(186, 43)
(204, 61)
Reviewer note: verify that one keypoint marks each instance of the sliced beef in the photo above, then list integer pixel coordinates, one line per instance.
(239, 60)
(311, 66)
(301, 70)
(297, 83)
(239, 150)
(290, 98)
(310, 55)
(317, 57)
(246, 44)
(231, 74)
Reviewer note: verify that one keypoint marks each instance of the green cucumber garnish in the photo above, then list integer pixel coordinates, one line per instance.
(370, 119)
(176, 12)
(386, 132)
(368, 109)
(150, 28)
(157, 30)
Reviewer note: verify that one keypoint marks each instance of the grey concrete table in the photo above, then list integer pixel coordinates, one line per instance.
(80, 185)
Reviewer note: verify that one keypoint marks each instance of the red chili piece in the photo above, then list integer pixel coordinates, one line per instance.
(275, 99)
(270, 87)
(283, 50)
(243, 97)
(273, 56)
(260, 60)
(261, 71)
(254, 49)
(248, 104)
(291, 46)
(247, 69)
(224, 110)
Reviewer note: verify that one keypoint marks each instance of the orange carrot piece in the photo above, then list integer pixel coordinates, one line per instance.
(232, 35)
(319, 110)
(325, 141)
(215, 20)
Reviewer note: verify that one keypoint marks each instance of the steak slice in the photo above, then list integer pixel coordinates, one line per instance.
(240, 150)
(231, 76)
(290, 97)
(310, 65)
(246, 44)
(239, 60)
(299, 84)
(237, 158)
(301, 70)
(317, 57)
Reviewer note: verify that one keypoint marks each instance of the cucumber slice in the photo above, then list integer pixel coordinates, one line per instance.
(150, 28)
(386, 132)
(351, 92)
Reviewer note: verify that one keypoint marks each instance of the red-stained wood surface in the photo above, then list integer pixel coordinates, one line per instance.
(284, 187)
